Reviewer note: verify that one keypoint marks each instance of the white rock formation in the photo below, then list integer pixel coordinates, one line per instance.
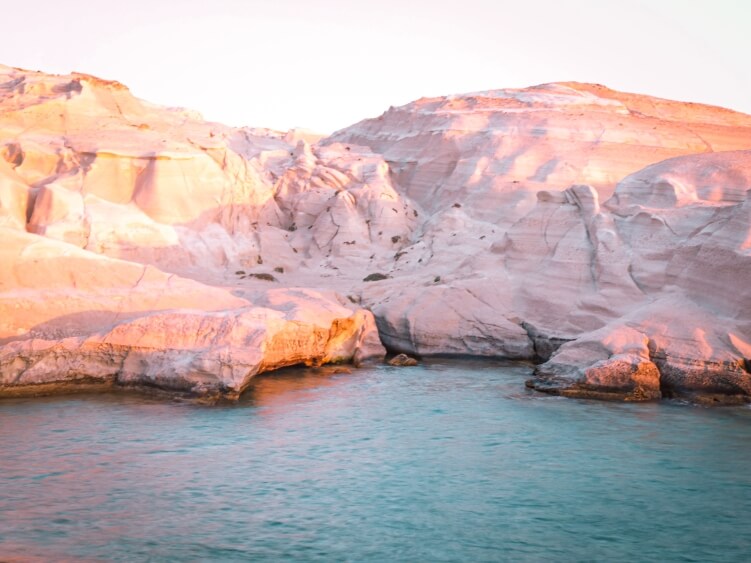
(71, 316)
(516, 186)
(492, 151)
(148, 247)
(120, 177)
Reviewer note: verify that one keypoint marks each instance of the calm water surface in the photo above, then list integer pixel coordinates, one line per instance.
(446, 462)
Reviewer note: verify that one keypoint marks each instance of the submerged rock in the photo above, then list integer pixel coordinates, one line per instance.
(402, 360)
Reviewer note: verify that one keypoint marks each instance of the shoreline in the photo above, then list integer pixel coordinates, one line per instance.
(111, 387)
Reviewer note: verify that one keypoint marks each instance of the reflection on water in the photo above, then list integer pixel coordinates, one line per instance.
(287, 387)
(445, 462)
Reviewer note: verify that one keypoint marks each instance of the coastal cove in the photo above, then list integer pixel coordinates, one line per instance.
(375, 282)
(445, 461)
(605, 235)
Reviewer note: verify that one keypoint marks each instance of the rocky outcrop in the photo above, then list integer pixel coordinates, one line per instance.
(493, 151)
(402, 360)
(70, 318)
(121, 177)
(688, 254)
(204, 354)
(605, 364)
(516, 186)
(424, 317)
(669, 348)
(143, 215)
(526, 206)
(601, 234)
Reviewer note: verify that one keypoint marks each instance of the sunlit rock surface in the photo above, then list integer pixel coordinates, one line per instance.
(492, 151)
(602, 234)
(70, 316)
(574, 215)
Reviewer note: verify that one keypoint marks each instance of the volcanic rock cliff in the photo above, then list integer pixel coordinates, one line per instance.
(604, 235)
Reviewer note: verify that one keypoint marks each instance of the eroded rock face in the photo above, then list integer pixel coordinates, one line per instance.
(607, 364)
(127, 194)
(524, 202)
(197, 352)
(71, 316)
(603, 234)
(114, 175)
(493, 151)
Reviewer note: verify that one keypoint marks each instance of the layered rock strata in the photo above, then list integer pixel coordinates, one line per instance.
(70, 317)
(604, 235)
(559, 229)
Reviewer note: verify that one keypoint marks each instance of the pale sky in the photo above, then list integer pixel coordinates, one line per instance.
(325, 64)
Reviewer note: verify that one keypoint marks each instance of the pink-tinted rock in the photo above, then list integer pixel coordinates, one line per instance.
(140, 241)
(607, 364)
(494, 150)
(71, 316)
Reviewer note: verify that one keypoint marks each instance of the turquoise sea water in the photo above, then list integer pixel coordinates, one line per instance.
(453, 461)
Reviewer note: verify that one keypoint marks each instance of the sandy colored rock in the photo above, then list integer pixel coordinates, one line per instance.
(72, 316)
(603, 234)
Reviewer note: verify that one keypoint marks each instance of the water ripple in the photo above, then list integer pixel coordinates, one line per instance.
(445, 462)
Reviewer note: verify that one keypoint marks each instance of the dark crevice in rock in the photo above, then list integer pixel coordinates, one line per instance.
(666, 391)
(544, 345)
(13, 154)
(377, 276)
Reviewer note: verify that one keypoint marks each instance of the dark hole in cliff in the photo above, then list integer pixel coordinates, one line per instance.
(69, 87)
(31, 198)
(263, 276)
(375, 277)
(13, 154)
(666, 390)
(395, 239)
